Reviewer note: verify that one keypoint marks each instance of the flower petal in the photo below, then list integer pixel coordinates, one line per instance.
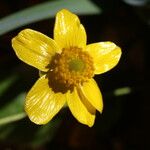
(106, 55)
(79, 110)
(68, 31)
(34, 48)
(42, 104)
(92, 93)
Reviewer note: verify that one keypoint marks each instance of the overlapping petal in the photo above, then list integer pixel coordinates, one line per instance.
(106, 55)
(80, 109)
(68, 31)
(34, 48)
(42, 104)
(91, 92)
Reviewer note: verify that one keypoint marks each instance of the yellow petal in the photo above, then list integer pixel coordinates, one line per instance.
(68, 31)
(79, 110)
(34, 48)
(42, 104)
(106, 55)
(92, 93)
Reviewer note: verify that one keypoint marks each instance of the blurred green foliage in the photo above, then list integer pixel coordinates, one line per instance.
(45, 11)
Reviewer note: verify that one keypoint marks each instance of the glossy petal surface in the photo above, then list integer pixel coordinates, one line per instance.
(82, 113)
(42, 104)
(92, 93)
(34, 48)
(68, 31)
(106, 55)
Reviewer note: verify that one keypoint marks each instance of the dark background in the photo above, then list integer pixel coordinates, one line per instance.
(124, 124)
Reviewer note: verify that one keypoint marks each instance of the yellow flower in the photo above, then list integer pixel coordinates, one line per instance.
(67, 66)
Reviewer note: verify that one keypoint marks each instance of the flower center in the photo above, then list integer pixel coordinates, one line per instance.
(72, 67)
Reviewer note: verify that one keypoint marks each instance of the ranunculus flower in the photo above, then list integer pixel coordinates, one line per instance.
(67, 66)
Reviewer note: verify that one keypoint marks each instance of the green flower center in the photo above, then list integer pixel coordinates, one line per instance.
(72, 67)
(76, 65)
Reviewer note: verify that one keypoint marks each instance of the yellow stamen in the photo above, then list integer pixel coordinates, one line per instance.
(72, 67)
